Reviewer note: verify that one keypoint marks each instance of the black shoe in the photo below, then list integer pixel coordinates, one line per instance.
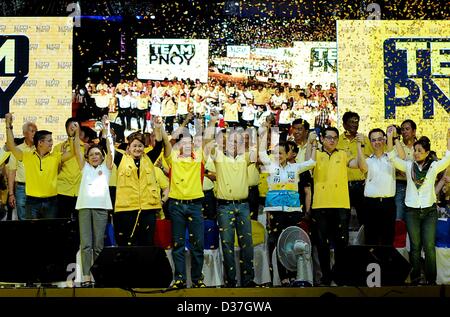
(250, 284)
(178, 284)
(230, 284)
(198, 284)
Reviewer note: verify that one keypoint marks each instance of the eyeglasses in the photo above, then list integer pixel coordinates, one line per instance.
(378, 139)
(331, 138)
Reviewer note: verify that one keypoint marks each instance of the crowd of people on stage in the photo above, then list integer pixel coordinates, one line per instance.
(229, 152)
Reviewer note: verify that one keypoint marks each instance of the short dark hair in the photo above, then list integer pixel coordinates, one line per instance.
(39, 136)
(284, 145)
(292, 145)
(348, 115)
(69, 121)
(323, 132)
(376, 130)
(88, 133)
(303, 122)
(424, 142)
(412, 123)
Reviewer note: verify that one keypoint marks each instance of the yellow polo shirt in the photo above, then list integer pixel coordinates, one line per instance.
(41, 173)
(350, 147)
(232, 176)
(330, 180)
(69, 177)
(253, 175)
(186, 175)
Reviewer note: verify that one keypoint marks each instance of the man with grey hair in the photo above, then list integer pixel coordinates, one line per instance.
(16, 172)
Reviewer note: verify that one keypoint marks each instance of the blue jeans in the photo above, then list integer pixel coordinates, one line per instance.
(187, 215)
(421, 224)
(21, 200)
(38, 208)
(400, 194)
(231, 218)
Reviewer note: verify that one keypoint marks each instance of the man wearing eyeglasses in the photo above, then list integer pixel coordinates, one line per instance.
(331, 201)
(348, 143)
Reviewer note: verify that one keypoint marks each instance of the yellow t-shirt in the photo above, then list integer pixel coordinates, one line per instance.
(350, 147)
(232, 177)
(186, 175)
(330, 180)
(41, 173)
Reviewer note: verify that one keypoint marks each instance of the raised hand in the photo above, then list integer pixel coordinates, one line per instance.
(214, 115)
(8, 119)
(360, 138)
(76, 129)
(312, 137)
(157, 122)
(390, 131)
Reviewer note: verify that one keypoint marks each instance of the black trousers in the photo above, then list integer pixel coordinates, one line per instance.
(356, 192)
(379, 228)
(209, 205)
(124, 223)
(330, 228)
(253, 201)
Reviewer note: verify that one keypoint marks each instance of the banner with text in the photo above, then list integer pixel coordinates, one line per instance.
(169, 58)
(314, 62)
(390, 71)
(241, 51)
(36, 72)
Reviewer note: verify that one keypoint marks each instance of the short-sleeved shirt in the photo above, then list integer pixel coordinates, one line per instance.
(41, 173)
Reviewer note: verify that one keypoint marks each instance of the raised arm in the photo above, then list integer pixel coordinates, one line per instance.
(311, 146)
(76, 146)
(262, 149)
(158, 124)
(109, 143)
(361, 159)
(209, 148)
(10, 138)
(393, 138)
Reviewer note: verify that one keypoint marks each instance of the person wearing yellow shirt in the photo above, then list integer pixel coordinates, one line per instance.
(331, 202)
(41, 170)
(69, 176)
(16, 173)
(138, 197)
(186, 162)
(233, 213)
(348, 143)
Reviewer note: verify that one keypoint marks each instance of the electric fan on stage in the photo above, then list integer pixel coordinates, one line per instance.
(294, 252)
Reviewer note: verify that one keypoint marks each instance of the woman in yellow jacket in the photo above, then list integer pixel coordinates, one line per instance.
(138, 197)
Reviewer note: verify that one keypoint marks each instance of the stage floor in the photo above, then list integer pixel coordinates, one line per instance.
(442, 291)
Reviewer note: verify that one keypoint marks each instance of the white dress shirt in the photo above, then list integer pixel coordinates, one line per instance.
(380, 181)
(425, 196)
